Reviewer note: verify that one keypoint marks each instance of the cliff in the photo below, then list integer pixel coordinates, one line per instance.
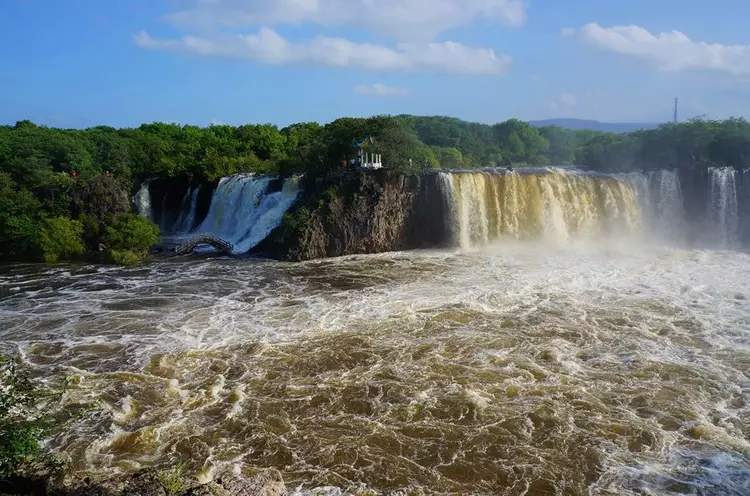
(361, 212)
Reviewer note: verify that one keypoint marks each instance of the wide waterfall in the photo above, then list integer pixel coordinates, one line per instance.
(243, 212)
(551, 204)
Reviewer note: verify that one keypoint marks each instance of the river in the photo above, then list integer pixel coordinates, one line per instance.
(511, 369)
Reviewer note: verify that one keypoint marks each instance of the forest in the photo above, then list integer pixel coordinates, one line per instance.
(65, 194)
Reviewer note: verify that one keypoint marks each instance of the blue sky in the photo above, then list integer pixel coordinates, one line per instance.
(79, 63)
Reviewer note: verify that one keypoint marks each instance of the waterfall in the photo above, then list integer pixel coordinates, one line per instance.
(551, 204)
(659, 194)
(142, 201)
(744, 207)
(189, 204)
(722, 209)
(244, 213)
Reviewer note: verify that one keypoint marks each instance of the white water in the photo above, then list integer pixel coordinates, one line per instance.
(516, 369)
(552, 204)
(142, 201)
(659, 195)
(186, 219)
(244, 213)
(723, 219)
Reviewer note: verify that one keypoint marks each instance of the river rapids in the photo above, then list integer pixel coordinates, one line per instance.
(511, 369)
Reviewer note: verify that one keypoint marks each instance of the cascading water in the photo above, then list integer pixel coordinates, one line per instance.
(659, 193)
(744, 207)
(551, 204)
(722, 211)
(243, 213)
(186, 219)
(142, 201)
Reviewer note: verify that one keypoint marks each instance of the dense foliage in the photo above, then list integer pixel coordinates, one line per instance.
(23, 420)
(129, 238)
(64, 192)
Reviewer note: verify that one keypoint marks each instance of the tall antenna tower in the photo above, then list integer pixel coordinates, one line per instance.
(676, 101)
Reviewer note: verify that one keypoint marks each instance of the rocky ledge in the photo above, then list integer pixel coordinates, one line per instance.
(356, 212)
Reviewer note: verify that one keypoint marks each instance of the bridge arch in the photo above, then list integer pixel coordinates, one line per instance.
(204, 239)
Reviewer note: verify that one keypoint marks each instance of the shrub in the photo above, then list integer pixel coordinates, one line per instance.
(293, 222)
(124, 257)
(60, 238)
(130, 238)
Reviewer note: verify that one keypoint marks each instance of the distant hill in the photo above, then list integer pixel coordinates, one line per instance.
(607, 127)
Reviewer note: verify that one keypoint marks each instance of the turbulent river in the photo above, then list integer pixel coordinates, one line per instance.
(603, 370)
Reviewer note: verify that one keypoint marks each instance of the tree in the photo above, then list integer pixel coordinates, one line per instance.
(60, 239)
(520, 142)
(562, 145)
(19, 222)
(129, 238)
(402, 151)
(449, 158)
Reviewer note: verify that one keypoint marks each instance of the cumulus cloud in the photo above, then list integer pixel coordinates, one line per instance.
(400, 19)
(379, 89)
(670, 51)
(268, 46)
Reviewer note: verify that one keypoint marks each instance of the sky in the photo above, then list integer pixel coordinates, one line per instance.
(81, 63)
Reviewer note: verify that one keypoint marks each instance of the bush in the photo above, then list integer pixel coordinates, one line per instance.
(124, 257)
(293, 222)
(60, 238)
(130, 238)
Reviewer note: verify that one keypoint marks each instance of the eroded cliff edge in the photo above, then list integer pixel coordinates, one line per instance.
(357, 211)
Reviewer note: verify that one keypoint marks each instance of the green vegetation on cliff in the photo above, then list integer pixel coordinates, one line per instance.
(63, 191)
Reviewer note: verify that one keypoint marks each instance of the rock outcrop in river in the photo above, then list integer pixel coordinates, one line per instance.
(362, 212)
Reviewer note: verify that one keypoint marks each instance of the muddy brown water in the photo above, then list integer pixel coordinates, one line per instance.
(511, 370)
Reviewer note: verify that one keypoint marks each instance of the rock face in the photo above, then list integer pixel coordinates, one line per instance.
(361, 212)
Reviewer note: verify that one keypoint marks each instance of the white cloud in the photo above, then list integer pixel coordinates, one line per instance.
(670, 51)
(379, 89)
(270, 47)
(400, 19)
(565, 104)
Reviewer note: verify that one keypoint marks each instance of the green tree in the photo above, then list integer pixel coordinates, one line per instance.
(449, 158)
(19, 221)
(60, 239)
(402, 151)
(130, 238)
(521, 143)
(562, 145)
